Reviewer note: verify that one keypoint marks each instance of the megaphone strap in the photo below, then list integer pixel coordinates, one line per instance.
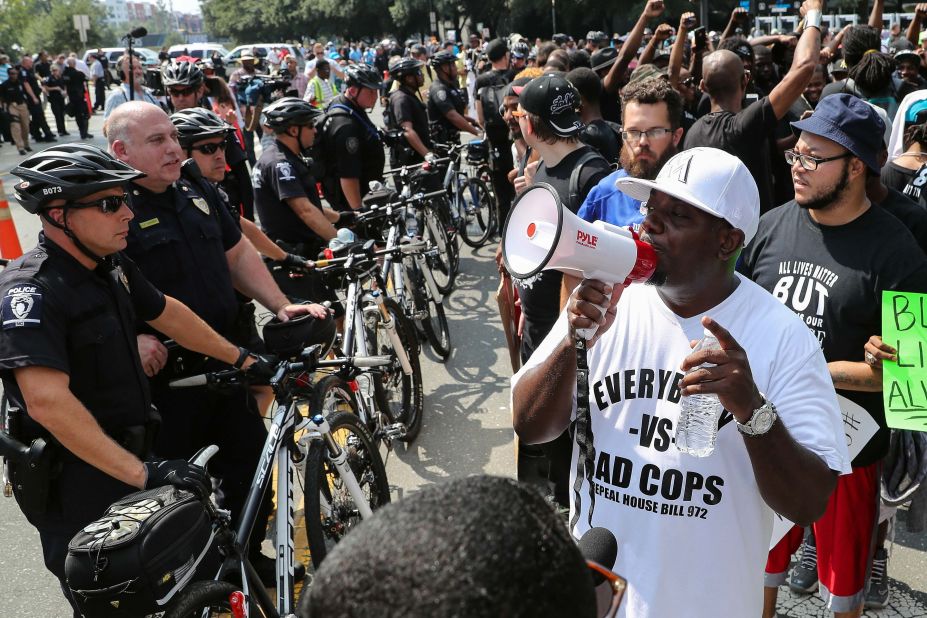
(584, 438)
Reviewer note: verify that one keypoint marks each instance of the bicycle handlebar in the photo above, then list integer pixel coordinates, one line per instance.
(233, 376)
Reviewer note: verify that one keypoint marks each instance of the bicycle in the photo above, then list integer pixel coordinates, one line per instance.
(471, 205)
(406, 272)
(331, 459)
(375, 324)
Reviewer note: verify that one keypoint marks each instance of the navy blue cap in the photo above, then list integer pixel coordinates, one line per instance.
(850, 122)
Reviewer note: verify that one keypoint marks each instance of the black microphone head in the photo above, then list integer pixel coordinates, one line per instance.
(601, 546)
(139, 32)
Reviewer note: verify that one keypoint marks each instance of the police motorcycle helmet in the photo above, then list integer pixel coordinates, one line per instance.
(405, 66)
(290, 111)
(362, 76)
(288, 339)
(198, 123)
(68, 172)
(182, 74)
(443, 57)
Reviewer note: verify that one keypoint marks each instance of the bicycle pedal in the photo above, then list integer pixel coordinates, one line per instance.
(395, 430)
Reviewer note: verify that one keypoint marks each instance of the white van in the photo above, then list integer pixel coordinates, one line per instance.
(200, 51)
(113, 54)
(269, 51)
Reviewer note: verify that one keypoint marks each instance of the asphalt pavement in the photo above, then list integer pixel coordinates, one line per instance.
(466, 430)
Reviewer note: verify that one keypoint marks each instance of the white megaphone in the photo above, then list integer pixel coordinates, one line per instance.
(540, 234)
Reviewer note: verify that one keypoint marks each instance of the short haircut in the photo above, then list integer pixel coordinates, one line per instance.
(545, 133)
(587, 83)
(544, 51)
(652, 92)
(477, 547)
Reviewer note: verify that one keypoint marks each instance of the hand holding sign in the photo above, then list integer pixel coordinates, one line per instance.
(904, 382)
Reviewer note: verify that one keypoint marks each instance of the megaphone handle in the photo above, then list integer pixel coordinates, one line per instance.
(587, 333)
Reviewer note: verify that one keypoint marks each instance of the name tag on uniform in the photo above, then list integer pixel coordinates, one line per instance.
(201, 204)
(148, 223)
(21, 307)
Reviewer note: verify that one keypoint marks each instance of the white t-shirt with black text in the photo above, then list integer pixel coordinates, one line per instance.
(693, 533)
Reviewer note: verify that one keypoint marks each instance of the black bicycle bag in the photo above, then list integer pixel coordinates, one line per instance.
(133, 560)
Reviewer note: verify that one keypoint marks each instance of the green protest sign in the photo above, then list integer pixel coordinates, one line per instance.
(904, 384)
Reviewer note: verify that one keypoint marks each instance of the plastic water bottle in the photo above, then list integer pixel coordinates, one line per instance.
(697, 428)
(345, 237)
(411, 222)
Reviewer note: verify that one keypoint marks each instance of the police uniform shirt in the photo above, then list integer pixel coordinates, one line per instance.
(179, 238)
(358, 150)
(279, 175)
(57, 313)
(442, 99)
(406, 107)
(237, 182)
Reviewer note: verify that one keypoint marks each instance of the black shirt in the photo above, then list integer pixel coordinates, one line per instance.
(74, 83)
(442, 99)
(911, 214)
(55, 82)
(57, 313)
(278, 176)
(179, 238)
(356, 148)
(237, 181)
(43, 69)
(897, 177)
(603, 136)
(497, 135)
(833, 278)
(744, 135)
(540, 295)
(12, 92)
(407, 107)
(28, 76)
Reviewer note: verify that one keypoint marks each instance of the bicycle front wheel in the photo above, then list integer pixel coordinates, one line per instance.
(479, 210)
(445, 261)
(433, 320)
(330, 509)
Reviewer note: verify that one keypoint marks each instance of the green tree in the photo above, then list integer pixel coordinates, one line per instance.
(15, 15)
(54, 31)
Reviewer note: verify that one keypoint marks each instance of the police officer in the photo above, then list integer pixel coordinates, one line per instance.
(408, 112)
(356, 150)
(490, 90)
(68, 355)
(447, 102)
(285, 195)
(188, 245)
(186, 84)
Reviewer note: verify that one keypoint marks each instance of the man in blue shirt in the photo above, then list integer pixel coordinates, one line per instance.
(651, 132)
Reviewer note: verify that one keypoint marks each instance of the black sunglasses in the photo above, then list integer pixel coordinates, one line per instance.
(181, 92)
(107, 205)
(211, 147)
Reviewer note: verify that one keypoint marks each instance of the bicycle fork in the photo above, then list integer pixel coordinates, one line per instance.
(339, 458)
(391, 332)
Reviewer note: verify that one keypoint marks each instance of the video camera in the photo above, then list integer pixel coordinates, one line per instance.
(255, 88)
(154, 82)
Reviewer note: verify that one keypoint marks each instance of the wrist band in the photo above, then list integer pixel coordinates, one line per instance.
(242, 355)
(813, 19)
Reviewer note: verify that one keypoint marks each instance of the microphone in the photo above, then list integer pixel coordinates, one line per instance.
(599, 545)
(139, 32)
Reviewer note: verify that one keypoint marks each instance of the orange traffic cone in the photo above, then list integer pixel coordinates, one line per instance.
(9, 239)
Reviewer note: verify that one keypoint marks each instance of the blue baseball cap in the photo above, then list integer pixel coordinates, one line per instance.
(850, 122)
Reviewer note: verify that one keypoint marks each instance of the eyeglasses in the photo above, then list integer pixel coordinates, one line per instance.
(107, 205)
(211, 147)
(810, 162)
(689, 81)
(617, 584)
(634, 136)
(181, 92)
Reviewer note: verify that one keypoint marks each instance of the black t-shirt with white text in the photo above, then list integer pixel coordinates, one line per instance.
(540, 295)
(744, 135)
(897, 177)
(833, 277)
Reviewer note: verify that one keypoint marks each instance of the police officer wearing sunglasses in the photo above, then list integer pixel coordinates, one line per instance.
(69, 361)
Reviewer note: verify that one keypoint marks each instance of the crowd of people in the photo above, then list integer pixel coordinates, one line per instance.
(778, 178)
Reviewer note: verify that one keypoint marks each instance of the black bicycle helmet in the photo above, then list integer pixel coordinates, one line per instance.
(405, 66)
(362, 76)
(182, 74)
(290, 112)
(288, 339)
(198, 123)
(68, 172)
(521, 49)
(443, 57)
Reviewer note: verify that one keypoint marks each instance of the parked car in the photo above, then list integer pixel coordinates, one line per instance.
(113, 54)
(197, 50)
(269, 51)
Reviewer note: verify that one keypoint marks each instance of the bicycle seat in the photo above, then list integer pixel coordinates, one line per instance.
(288, 339)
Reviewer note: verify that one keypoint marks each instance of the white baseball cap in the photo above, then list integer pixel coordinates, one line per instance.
(709, 179)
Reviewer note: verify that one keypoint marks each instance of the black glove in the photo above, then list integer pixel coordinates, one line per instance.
(262, 369)
(179, 473)
(346, 217)
(295, 262)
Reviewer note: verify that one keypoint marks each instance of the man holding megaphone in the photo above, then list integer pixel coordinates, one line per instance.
(701, 524)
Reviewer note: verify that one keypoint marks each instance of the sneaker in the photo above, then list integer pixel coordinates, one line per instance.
(28, 149)
(266, 568)
(804, 577)
(877, 595)
(21, 151)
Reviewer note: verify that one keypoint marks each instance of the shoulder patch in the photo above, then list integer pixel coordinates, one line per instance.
(352, 144)
(285, 171)
(21, 307)
(441, 94)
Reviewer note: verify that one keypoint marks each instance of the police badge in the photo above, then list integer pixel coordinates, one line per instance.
(201, 204)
